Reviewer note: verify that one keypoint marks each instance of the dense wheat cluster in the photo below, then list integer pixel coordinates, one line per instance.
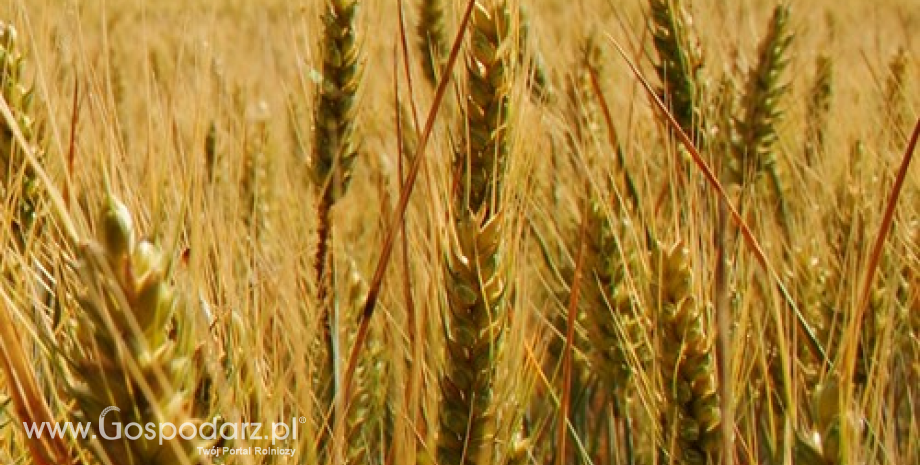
(485, 232)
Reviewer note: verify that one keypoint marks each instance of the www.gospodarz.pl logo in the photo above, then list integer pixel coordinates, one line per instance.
(209, 431)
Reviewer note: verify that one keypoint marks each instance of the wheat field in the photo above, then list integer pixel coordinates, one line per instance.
(476, 232)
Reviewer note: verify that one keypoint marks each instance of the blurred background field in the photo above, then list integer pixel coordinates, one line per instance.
(201, 116)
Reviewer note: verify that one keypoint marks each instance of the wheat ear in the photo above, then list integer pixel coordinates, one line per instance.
(616, 323)
(335, 149)
(15, 171)
(256, 180)
(432, 39)
(894, 105)
(121, 354)
(335, 146)
(818, 110)
(582, 107)
(476, 275)
(532, 60)
(680, 62)
(614, 328)
(366, 426)
(686, 362)
(757, 128)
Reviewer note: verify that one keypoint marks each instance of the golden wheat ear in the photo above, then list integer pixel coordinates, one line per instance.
(476, 273)
(687, 365)
(121, 354)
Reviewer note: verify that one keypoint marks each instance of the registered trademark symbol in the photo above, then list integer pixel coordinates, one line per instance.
(303, 420)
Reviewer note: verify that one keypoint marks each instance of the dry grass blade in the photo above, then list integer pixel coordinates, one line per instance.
(27, 398)
(571, 313)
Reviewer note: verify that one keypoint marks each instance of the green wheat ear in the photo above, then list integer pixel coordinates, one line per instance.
(757, 128)
(817, 113)
(15, 172)
(335, 149)
(531, 60)
(485, 147)
(680, 63)
(616, 323)
(432, 39)
(895, 104)
(121, 353)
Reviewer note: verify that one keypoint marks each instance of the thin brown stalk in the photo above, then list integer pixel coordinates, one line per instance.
(572, 311)
(28, 401)
(396, 223)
